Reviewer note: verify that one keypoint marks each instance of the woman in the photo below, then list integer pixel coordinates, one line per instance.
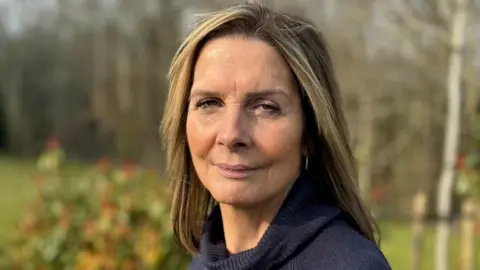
(257, 149)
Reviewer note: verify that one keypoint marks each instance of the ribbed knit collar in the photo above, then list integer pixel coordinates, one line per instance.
(297, 222)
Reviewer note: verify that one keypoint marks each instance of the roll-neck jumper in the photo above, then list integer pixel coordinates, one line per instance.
(304, 234)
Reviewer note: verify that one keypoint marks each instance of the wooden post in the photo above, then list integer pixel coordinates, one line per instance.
(418, 210)
(467, 249)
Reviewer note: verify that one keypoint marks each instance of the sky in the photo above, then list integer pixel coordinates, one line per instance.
(13, 13)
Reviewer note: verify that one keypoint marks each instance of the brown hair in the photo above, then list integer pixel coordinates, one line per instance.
(302, 46)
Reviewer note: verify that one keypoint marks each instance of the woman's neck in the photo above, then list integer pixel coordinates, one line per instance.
(244, 227)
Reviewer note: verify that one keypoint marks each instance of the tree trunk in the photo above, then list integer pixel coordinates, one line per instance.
(124, 95)
(126, 122)
(366, 145)
(13, 111)
(451, 140)
(99, 75)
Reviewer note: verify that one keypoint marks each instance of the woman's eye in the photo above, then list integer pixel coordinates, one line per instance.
(207, 103)
(269, 108)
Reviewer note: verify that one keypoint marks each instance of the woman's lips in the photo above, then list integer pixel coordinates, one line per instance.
(237, 171)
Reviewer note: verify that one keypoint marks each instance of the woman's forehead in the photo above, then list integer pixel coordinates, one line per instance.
(248, 64)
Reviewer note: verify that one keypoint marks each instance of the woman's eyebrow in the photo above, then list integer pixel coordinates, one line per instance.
(268, 92)
(203, 93)
(251, 95)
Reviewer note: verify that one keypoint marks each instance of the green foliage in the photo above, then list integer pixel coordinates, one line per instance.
(108, 219)
(468, 181)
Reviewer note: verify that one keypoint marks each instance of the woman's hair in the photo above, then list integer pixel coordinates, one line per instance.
(331, 163)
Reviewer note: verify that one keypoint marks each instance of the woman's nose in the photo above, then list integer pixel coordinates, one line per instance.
(234, 130)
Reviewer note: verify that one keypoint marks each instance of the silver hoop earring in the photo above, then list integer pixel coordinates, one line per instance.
(306, 163)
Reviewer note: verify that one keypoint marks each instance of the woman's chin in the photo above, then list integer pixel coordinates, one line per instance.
(236, 195)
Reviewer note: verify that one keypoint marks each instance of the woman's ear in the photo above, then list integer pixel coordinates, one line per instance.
(307, 148)
(307, 141)
(305, 151)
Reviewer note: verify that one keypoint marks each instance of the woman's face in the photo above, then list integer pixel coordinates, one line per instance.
(244, 122)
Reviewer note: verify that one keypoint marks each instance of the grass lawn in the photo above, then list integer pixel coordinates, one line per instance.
(397, 240)
(17, 188)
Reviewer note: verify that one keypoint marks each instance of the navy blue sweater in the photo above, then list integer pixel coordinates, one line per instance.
(305, 234)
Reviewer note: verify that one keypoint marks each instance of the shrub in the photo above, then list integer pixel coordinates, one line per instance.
(108, 218)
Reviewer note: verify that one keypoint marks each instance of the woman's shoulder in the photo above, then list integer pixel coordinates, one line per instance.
(339, 246)
(196, 263)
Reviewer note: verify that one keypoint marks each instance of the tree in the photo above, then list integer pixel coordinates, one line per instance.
(447, 22)
(452, 131)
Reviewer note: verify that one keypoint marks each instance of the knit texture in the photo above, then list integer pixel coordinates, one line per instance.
(305, 234)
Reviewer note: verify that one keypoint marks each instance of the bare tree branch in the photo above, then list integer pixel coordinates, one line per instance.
(393, 150)
(444, 9)
(405, 13)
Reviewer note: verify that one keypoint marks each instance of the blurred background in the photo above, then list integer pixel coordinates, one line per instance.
(82, 88)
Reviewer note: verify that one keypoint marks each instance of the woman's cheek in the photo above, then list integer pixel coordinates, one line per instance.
(200, 134)
(277, 137)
